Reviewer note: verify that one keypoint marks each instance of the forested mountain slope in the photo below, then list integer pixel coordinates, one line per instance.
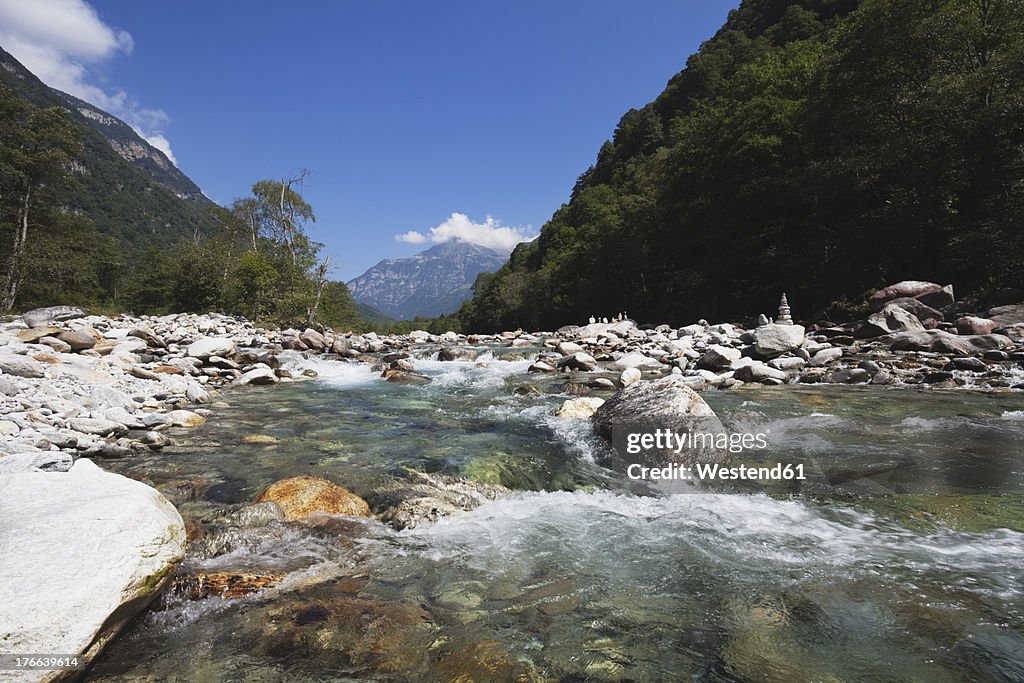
(817, 147)
(128, 188)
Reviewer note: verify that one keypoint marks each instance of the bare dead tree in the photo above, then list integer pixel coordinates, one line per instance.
(321, 283)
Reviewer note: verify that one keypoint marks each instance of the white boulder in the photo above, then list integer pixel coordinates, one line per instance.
(774, 340)
(82, 552)
(205, 347)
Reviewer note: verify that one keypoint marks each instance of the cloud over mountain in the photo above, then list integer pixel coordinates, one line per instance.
(460, 227)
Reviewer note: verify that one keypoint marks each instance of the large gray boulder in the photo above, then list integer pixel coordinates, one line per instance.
(891, 319)
(20, 366)
(718, 357)
(665, 403)
(930, 293)
(204, 347)
(953, 344)
(82, 552)
(917, 308)
(38, 317)
(635, 359)
(774, 340)
(1007, 315)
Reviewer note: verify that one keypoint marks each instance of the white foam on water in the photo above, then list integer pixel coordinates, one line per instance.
(925, 424)
(760, 535)
(790, 432)
(337, 373)
(1013, 414)
(485, 371)
(575, 435)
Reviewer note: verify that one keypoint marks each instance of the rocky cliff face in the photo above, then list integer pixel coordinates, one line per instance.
(433, 282)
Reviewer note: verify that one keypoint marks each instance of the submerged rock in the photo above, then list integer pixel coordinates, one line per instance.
(579, 408)
(450, 353)
(326, 623)
(300, 497)
(82, 552)
(185, 418)
(223, 584)
(404, 377)
(425, 498)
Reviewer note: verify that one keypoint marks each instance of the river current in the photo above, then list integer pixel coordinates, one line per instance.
(580, 574)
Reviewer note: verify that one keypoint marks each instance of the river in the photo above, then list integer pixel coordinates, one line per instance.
(580, 574)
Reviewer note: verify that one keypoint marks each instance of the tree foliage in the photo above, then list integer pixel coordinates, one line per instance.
(37, 148)
(817, 147)
(260, 263)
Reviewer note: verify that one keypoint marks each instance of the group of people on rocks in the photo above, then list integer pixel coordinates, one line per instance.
(617, 319)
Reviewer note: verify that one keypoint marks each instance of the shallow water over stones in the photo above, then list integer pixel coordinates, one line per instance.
(574, 575)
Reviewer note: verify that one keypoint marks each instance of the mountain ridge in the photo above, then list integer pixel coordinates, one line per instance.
(128, 188)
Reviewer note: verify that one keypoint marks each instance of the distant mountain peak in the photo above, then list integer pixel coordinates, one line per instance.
(433, 282)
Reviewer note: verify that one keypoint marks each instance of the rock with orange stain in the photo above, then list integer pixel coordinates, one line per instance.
(300, 497)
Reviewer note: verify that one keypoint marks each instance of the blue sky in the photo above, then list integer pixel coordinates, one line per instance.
(406, 111)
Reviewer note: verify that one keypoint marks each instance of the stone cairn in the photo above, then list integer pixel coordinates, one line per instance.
(784, 317)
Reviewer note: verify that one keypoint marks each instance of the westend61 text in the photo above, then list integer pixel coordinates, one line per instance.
(715, 472)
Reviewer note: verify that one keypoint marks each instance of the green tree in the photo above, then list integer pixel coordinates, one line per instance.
(37, 148)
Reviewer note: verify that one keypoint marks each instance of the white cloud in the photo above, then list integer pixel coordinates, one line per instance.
(162, 144)
(58, 40)
(491, 233)
(412, 237)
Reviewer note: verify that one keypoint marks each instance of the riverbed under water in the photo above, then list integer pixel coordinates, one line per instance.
(581, 575)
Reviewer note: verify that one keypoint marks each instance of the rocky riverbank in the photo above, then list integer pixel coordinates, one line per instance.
(106, 387)
(77, 389)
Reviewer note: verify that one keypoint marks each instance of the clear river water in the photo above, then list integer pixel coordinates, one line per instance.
(580, 574)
